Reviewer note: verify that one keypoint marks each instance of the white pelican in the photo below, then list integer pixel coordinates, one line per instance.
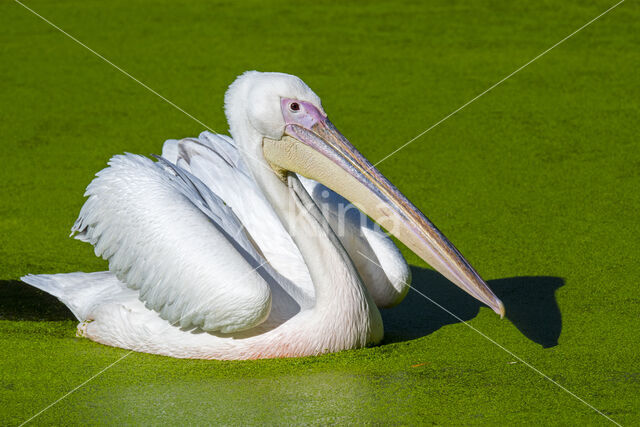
(218, 250)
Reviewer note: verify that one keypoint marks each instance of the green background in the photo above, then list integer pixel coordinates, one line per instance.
(537, 183)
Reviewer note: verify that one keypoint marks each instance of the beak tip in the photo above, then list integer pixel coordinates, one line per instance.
(499, 308)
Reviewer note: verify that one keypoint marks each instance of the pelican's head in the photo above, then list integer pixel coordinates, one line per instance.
(292, 133)
(254, 101)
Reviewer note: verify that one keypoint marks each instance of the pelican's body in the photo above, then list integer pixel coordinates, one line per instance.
(223, 250)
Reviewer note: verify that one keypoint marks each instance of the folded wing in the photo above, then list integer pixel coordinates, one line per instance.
(215, 160)
(167, 235)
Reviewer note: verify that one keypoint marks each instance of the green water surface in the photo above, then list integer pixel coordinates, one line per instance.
(536, 182)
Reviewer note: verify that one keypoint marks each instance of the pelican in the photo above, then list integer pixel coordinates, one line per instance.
(248, 247)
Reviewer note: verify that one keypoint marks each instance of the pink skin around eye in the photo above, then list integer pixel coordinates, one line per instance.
(307, 116)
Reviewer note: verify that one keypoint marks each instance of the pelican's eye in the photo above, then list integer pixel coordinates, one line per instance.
(294, 106)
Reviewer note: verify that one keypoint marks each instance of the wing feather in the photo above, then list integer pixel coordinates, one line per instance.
(215, 161)
(167, 235)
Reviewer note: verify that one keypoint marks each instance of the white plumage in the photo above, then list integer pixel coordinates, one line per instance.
(186, 255)
(215, 252)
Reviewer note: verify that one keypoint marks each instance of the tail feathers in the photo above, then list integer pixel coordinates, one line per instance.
(80, 292)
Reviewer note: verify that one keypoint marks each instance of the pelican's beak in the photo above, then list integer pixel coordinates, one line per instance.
(313, 147)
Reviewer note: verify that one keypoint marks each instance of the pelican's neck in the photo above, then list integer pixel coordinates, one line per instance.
(319, 247)
(339, 292)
